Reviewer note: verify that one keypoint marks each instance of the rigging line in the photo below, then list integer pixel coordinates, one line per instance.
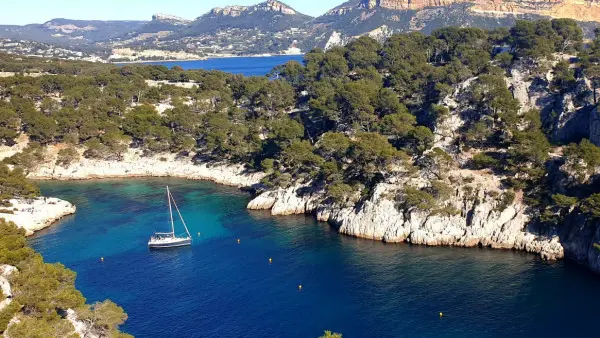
(171, 211)
(181, 217)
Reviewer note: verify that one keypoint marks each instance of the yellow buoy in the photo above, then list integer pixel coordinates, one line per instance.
(441, 315)
(300, 287)
(270, 260)
(238, 241)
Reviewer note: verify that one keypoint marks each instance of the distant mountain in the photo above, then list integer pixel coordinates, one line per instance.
(70, 32)
(381, 18)
(270, 16)
(161, 23)
(272, 27)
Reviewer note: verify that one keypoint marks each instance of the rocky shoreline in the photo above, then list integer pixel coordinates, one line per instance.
(36, 214)
(134, 164)
(478, 223)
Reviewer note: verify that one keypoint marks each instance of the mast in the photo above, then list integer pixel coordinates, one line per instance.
(181, 217)
(171, 212)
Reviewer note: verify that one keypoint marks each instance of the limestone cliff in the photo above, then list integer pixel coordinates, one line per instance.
(267, 6)
(480, 221)
(36, 214)
(134, 164)
(583, 10)
(481, 218)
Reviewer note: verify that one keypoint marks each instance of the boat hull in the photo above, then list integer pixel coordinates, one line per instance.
(171, 244)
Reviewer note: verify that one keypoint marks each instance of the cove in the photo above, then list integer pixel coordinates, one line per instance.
(361, 288)
(248, 66)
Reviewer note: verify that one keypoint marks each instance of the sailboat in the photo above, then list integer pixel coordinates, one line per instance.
(168, 239)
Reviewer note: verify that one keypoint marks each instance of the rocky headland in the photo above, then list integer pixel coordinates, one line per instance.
(36, 214)
(480, 220)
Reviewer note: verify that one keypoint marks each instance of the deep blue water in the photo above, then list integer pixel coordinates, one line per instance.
(249, 66)
(361, 288)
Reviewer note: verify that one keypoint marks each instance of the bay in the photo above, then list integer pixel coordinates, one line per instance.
(248, 66)
(361, 288)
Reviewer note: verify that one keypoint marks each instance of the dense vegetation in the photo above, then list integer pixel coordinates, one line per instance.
(344, 120)
(42, 292)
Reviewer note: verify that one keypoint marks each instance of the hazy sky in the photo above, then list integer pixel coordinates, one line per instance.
(19, 12)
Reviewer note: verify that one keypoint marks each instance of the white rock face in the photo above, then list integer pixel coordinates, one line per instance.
(135, 165)
(81, 328)
(171, 19)
(290, 201)
(336, 39)
(36, 214)
(5, 271)
(379, 218)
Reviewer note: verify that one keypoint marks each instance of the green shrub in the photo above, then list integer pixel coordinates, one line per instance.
(267, 164)
(13, 183)
(329, 334)
(506, 200)
(418, 199)
(7, 314)
(591, 206)
(339, 192)
(563, 201)
(66, 157)
(483, 161)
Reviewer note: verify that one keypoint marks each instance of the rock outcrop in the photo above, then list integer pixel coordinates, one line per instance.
(36, 214)
(170, 19)
(587, 10)
(134, 164)
(295, 200)
(479, 222)
(82, 329)
(595, 127)
(267, 6)
(5, 272)
(580, 238)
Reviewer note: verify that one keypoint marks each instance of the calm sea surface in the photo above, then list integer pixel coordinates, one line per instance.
(361, 288)
(249, 66)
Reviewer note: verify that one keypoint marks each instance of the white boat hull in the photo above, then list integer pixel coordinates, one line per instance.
(170, 243)
(162, 240)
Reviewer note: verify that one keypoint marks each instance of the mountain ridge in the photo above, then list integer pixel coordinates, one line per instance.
(273, 27)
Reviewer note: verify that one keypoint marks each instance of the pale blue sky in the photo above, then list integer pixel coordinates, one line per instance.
(19, 12)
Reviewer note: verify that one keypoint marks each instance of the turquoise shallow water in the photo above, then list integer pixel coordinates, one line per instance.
(362, 288)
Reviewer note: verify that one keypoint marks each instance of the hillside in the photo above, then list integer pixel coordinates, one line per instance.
(268, 27)
(70, 32)
(443, 139)
(267, 17)
(586, 10)
(381, 18)
(272, 27)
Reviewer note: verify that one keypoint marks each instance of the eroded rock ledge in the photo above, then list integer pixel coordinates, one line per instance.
(36, 214)
(136, 165)
(479, 223)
